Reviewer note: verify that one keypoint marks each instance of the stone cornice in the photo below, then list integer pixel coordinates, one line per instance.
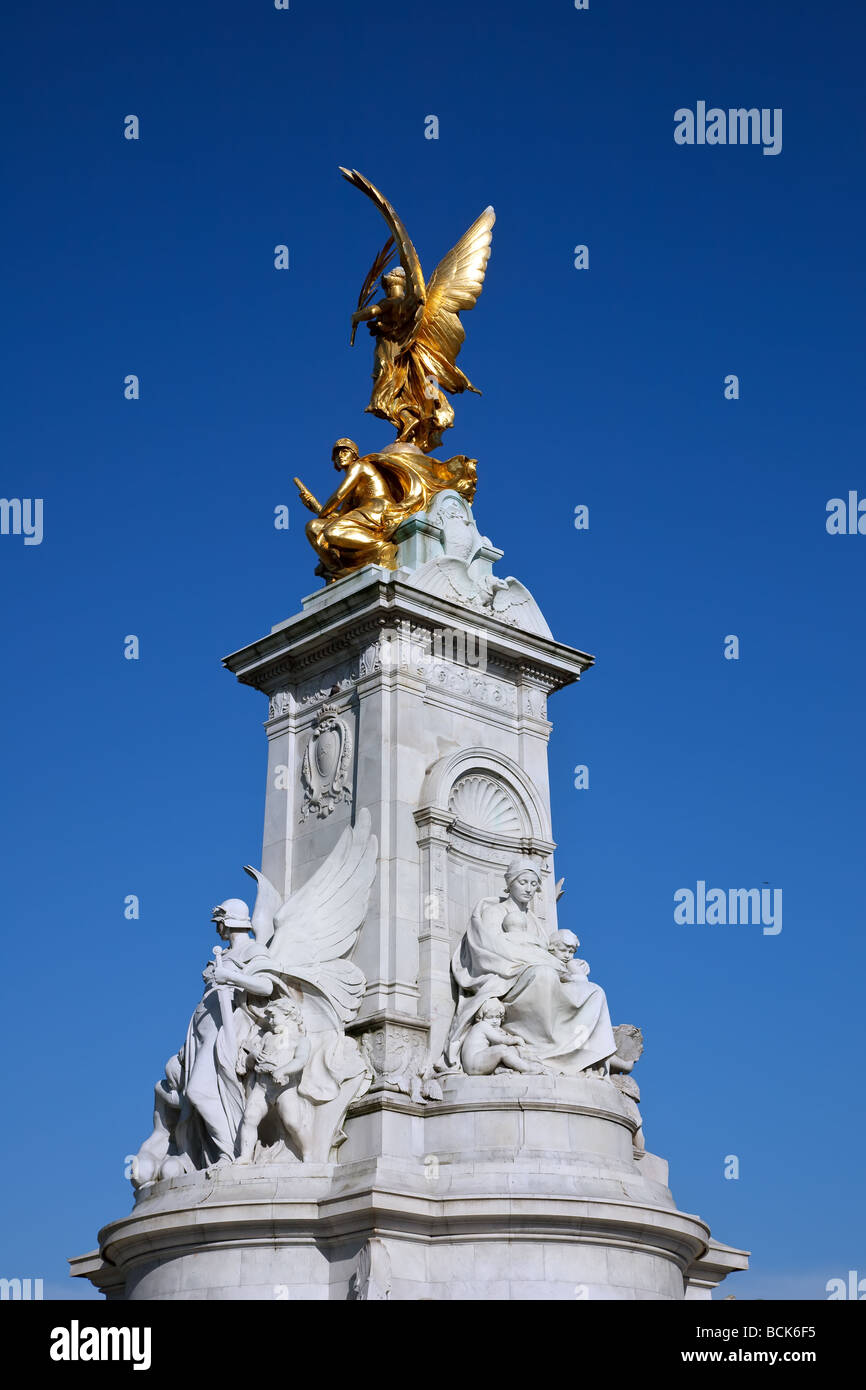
(290, 1207)
(355, 617)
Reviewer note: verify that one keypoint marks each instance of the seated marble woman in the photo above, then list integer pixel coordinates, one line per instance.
(507, 954)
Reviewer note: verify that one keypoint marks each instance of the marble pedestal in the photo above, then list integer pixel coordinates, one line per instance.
(431, 714)
(509, 1188)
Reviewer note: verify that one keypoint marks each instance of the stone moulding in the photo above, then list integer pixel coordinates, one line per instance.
(227, 1219)
(375, 599)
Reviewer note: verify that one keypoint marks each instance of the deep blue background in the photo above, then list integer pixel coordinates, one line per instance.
(605, 387)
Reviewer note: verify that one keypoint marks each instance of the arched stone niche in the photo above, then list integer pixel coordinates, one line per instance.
(478, 810)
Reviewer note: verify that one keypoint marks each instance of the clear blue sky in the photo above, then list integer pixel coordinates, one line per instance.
(603, 387)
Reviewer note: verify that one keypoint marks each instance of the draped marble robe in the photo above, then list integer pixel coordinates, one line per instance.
(210, 1080)
(566, 1023)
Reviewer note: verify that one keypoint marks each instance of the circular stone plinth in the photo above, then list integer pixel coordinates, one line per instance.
(510, 1187)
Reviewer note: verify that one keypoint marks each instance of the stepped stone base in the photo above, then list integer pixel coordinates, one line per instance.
(510, 1188)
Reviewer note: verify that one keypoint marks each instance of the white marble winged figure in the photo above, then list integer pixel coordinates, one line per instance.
(267, 1070)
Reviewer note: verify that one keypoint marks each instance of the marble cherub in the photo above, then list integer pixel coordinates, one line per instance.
(489, 1047)
(563, 945)
(271, 1059)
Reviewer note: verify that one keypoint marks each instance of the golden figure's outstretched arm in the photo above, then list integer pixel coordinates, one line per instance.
(371, 311)
(307, 497)
(367, 289)
(415, 288)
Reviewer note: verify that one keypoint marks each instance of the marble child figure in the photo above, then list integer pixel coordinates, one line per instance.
(563, 945)
(272, 1059)
(489, 1047)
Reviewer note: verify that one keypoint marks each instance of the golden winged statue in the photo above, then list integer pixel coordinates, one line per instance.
(418, 335)
(417, 327)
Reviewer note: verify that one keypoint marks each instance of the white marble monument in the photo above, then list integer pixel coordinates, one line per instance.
(400, 1082)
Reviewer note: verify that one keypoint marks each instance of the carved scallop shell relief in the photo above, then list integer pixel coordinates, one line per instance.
(483, 802)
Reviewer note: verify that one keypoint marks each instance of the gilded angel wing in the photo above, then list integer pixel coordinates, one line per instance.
(455, 284)
(415, 288)
(316, 928)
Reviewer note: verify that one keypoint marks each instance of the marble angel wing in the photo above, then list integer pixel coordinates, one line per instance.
(447, 578)
(268, 904)
(507, 599)
(455, 284)
(416, 292)
(513, 603)
(316, 928)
